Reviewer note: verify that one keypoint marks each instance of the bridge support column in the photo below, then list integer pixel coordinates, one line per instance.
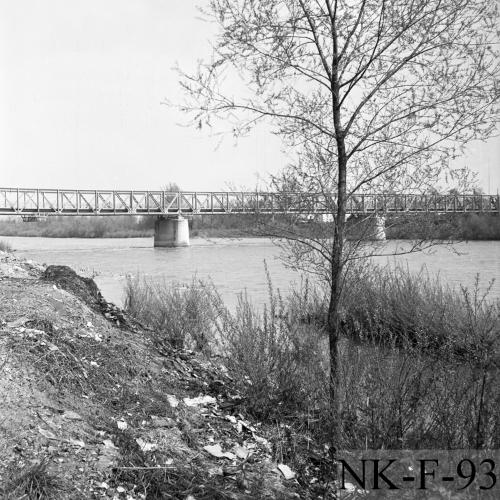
(377, 230)
(171, 232)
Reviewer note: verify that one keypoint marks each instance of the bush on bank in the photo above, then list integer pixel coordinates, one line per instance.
(184, 316)
(464, 226)
(419, 362)
(394, 306)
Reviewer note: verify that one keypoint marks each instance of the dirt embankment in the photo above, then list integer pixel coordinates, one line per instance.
(90, 408)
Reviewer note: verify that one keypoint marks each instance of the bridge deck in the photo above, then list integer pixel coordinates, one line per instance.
(16, 201)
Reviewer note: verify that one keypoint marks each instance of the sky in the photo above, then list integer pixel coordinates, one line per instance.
(81, 90)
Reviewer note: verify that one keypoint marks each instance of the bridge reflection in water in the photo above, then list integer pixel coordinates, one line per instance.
(171, 227)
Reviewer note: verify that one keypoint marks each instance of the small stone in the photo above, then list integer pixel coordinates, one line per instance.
(163, 422)
(72, 415)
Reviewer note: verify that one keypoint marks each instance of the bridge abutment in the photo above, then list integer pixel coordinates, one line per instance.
(171, 232)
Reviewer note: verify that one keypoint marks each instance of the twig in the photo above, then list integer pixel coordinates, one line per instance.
(145, 468)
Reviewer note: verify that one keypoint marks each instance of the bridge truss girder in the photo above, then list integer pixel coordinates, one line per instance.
(120, 202)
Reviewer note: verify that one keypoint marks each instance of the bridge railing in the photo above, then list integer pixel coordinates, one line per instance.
(108, 202)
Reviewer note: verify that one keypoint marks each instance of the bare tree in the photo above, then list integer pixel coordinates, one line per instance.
(371, 94)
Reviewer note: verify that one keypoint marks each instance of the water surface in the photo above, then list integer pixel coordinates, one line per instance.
(235, 265)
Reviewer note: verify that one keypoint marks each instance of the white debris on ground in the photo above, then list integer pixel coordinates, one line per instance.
(12, 266)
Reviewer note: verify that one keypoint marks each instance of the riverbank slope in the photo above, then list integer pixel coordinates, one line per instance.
(90, 408)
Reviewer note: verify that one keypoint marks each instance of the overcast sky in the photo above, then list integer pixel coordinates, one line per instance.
(81, 87)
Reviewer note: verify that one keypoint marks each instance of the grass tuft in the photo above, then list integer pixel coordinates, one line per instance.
(34, 483)
(183, 316)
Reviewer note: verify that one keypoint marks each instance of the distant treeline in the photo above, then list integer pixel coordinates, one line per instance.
(446, 227)
(449, 226)
(80, 227)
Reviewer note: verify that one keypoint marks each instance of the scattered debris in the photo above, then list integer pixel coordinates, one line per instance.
(172, 401)
(286, 471)
(216, 451)
(241, 452)
(199, 401)
(47, 434)
(122, 425)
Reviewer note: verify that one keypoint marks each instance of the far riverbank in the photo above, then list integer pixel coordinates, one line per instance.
(465, 226)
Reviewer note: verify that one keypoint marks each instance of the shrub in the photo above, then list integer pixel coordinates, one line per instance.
(183, 316)
(404, 399)
(276, 354)
(394, 306)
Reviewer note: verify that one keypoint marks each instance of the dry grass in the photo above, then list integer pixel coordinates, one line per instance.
(184, 316)
(276, 354)
(394, 306)
(33, 482)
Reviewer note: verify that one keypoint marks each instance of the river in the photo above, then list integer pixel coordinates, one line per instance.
(235, 265)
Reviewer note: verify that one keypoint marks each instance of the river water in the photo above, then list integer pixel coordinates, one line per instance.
(235, 265)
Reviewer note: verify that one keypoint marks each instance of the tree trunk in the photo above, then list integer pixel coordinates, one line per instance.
(335, 295)
(337, 247)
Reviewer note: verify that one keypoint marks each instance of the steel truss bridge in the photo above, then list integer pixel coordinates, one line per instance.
(39, 202)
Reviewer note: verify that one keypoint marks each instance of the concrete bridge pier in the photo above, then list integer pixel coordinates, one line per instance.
(171, 232)
(377, 230)
(370, 228)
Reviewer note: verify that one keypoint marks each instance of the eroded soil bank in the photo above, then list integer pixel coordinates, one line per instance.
(90, 408)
